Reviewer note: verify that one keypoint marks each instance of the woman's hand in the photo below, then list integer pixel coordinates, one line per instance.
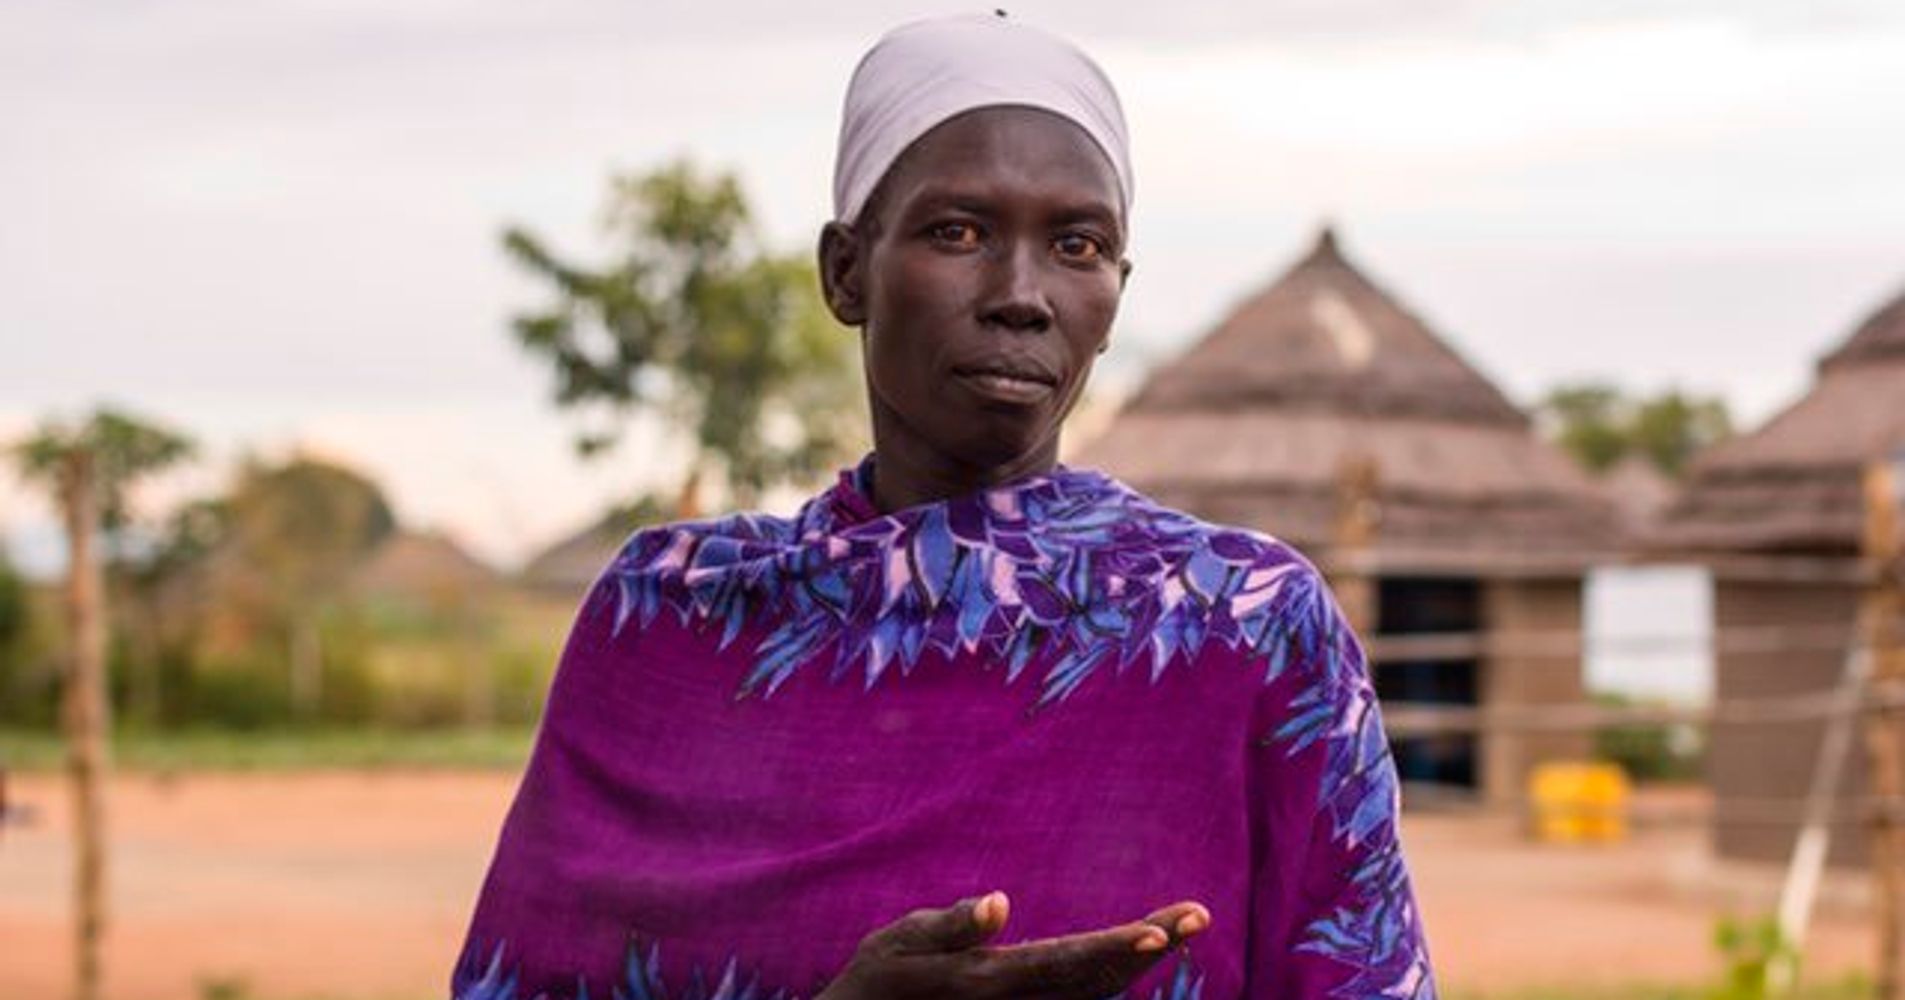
(941, 954)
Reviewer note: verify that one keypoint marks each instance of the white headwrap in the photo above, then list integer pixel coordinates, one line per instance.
(923, 73)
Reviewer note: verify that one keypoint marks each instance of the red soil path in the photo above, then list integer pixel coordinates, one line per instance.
(356, 886)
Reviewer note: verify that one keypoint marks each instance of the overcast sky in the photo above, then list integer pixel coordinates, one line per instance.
(274, 223)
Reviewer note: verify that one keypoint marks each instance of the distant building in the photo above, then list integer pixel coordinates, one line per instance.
(425, 570)
(1778, 515)
(1323, 412)
(565, 569)
(1638, 491)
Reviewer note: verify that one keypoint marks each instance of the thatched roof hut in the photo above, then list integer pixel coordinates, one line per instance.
(570, 564)
(1793, 486)
(1324, 412)
(1778, 516)
(566, 567)
(425, 568)
(1321, 371)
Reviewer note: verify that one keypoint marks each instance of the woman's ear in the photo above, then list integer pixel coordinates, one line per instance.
(1124, 272)
(842, 273)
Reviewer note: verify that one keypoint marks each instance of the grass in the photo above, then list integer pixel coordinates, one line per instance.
(286, 749)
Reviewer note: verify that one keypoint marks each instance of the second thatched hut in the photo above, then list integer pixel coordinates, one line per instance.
(1322, 411)
(1778, 516)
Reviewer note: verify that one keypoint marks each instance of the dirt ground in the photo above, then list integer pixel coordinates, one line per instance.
(357, 885)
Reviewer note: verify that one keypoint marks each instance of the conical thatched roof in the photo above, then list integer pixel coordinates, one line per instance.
(1323, 371)
(569, 565)
(1793, 485)
(1639, 492)
(424, 567)
(1880, 339)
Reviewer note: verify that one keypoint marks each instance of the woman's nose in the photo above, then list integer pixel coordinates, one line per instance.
(1015, 295)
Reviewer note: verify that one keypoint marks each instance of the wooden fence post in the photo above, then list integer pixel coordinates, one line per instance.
(1883, 608)
(1357, 523)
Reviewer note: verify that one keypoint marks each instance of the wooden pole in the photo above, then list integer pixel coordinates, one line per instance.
(1358, 520)
(85, 715)
(1807, 864)
(1882, 609)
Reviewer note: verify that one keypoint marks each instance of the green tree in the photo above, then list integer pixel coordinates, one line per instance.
(1672, 427)
(90, 468)
(693, 321)
(302, 527)
(1599, 424)
(1588, 421)
(166, 599)
(123, 447)
(14, 621)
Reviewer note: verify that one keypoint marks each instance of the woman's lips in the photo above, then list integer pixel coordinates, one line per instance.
(1006, 388)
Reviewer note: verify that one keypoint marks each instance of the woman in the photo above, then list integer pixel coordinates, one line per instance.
(776, 748)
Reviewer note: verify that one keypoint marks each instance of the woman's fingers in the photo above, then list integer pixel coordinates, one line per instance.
(939, 953)
(965, 924)
(1094, 964)
(1180, 920)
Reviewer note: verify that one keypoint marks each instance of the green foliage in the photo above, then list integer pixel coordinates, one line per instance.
(282, 748)
(236, 693)
(1671, 427)
(28, 675)
(240, 611)
(188, 535)
(1588, 422)
(299, 530)
(14, 622)
(1648, 752)
(118, 449)
(1749, 948)
(305, 523)
(225, 987)
(522, 681)
(13, 605)
(124, 448)
(1599, 424)
(693, 321)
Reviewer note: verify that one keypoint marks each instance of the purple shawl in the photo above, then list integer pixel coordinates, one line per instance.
(769, 736)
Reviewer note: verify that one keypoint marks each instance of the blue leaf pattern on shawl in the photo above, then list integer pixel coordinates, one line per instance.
(1072, 561)
(642, 980)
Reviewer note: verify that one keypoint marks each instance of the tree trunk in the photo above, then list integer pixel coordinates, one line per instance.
(85, 713)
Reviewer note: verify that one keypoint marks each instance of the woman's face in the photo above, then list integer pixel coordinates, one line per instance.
(985, 273)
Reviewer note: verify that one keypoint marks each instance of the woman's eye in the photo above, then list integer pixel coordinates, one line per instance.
(1078, 246)
(963, 234)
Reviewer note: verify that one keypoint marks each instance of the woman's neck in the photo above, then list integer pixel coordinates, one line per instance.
(907, 472)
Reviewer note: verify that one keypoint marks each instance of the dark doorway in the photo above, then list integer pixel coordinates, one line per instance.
(1418, 606)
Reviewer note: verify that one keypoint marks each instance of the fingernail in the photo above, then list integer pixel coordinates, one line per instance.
(1191, 923)
(987, 910)
(1153, 940)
